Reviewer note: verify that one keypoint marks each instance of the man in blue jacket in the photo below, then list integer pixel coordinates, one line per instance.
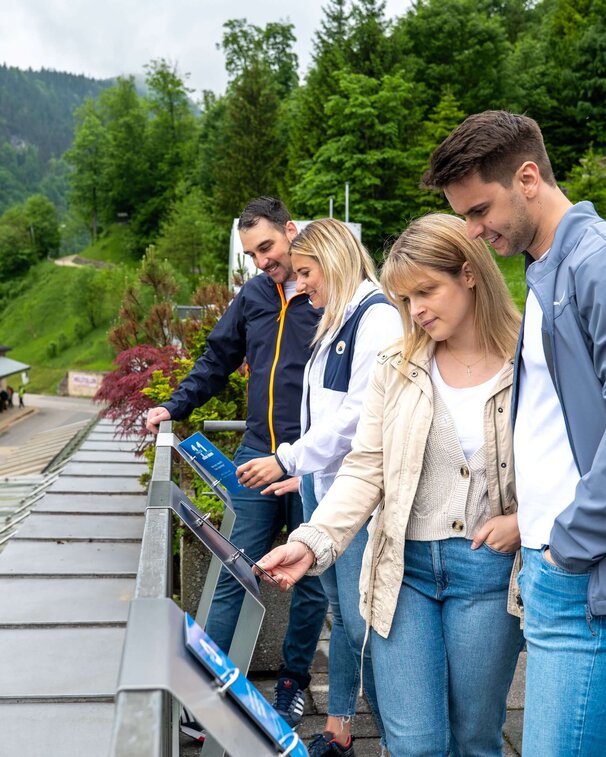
(272, 327)
(495, 172)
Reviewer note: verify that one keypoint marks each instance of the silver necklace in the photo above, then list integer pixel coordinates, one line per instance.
(469, 366)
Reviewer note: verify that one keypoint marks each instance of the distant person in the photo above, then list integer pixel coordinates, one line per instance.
(495, 172)
(272, 326)
(433, 452)
(335, 271)
(3, 400)
(21, 392)
(10, 392)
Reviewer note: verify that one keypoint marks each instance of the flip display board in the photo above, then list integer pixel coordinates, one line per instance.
(234, 684)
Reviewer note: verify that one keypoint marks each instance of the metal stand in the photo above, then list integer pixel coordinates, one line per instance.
(224, 554)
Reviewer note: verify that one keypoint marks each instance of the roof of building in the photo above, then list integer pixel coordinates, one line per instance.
(8, 367)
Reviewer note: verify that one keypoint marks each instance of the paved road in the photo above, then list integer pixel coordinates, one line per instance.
(18, 427)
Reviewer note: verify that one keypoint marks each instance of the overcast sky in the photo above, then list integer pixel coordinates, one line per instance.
(105, 38)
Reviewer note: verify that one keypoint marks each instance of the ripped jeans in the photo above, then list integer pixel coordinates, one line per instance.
(565, 706)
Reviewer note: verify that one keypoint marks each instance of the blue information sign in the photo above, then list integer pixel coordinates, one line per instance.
(212, 460)
(240, 689)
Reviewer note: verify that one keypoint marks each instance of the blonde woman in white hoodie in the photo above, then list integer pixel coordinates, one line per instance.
(336, 272)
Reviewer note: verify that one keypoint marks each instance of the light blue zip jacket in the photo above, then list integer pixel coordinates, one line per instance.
(570, 285)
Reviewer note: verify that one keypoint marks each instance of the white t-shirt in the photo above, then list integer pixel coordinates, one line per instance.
(290, 289)
(546, 474)
(466, 408)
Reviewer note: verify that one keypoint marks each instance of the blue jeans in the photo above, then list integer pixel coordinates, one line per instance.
(565, 706)
(340, 583)
(447, 664)
(259, 519)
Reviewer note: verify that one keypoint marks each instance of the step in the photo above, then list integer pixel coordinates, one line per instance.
(92, 503)
(31, 558)
(59, 662)
(81, 526)
(48, 729)
(34, 601)
(95, 485)
(112, 469)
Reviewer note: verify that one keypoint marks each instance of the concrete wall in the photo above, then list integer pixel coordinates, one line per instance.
(83, 383)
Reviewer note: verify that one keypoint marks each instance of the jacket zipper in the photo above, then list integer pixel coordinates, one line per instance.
(270, 409)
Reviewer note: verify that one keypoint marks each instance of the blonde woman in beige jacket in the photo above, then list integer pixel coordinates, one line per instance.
(433, 455)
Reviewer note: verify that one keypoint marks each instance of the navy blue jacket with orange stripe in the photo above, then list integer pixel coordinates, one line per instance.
(274, 336)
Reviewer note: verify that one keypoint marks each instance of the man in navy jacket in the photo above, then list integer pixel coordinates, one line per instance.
(272, 327)
(496, 173)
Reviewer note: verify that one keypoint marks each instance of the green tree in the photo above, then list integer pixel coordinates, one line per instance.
(43, 223)
(249, 158)
(441, 121)
(184, 238)
(172, 138)
(88, 294)
(369, 126)
(460, 44)
(587, 180)
(125, 165)
(304, 111)
(245, 46)
(17, 252)
(369, 51)
(87, 157)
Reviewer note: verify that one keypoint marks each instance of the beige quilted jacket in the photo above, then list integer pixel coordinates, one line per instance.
(382, 472)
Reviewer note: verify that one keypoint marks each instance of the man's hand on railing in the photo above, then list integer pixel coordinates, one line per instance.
(154, 417)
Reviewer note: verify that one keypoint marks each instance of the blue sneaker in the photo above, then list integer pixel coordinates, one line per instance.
(326, 744)
(289, 700)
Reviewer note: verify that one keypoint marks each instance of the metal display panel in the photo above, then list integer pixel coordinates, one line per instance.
(234, 560)
(224, 554)
(227, 523)
(156, 657)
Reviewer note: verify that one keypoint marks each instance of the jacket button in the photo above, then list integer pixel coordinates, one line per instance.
(503, 465)
(499, 410)
(458, 525)
(464, 471)
(414, 374)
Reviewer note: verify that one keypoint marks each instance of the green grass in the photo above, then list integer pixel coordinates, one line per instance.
(117, 245)
(42, 315)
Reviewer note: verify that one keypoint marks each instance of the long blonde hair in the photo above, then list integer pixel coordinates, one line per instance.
(344, 261)
(439, 242)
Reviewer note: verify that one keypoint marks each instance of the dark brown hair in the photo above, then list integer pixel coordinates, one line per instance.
(270, 208)
(494, 144)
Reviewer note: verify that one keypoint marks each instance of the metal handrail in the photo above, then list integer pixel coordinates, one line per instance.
(143, 719)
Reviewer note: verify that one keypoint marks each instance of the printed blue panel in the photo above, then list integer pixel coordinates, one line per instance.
(212, 460)
(241, 690)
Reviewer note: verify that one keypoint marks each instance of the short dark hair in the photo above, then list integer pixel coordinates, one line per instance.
(494, 144)
(270, 208)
